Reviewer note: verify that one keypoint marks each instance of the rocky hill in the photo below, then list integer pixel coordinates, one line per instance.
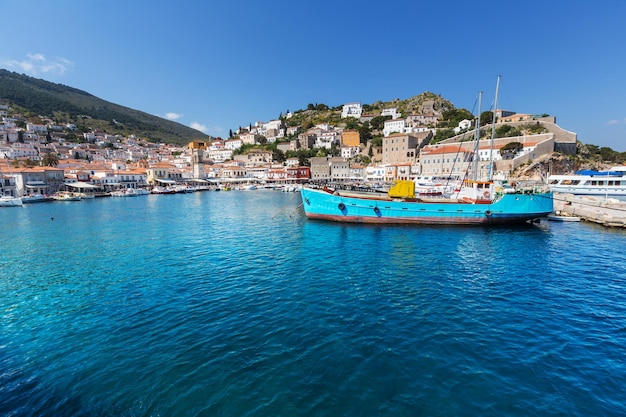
(34, 98)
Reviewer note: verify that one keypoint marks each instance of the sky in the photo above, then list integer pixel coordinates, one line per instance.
(218, 65)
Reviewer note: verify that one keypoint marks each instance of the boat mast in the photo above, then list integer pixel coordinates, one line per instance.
(493, 130)
(477, 136)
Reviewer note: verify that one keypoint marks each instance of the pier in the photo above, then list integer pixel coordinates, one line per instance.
(608, 212)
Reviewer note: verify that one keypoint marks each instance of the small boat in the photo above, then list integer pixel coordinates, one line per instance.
(10, 201)
(163, 190)
(126, 192)
(183, 189)
(35, 198)
(559, 216)
(66, 196)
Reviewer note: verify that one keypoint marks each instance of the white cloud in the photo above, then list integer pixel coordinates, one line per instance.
(173, 116)
(36, 64)
(195, 125)
(613, 122)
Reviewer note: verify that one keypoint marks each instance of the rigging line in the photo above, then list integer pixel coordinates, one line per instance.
(296, 209)
(286, 205)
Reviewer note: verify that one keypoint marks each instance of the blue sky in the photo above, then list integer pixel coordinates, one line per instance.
(216, 66)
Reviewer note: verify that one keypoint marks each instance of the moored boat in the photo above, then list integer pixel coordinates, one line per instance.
(610, 183)
(35, 198)
(475, 204)
(559, 216)
(66, 196)
(9, 201)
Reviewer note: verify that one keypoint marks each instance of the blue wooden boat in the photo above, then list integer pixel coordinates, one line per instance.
(476, 204)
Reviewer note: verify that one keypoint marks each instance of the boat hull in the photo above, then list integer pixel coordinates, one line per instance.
(506, 209)
(10, 202)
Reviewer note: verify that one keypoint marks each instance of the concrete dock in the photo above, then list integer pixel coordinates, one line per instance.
(605, 211)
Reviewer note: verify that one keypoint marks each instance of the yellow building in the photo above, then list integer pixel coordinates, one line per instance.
(350, 138)
(197, 144)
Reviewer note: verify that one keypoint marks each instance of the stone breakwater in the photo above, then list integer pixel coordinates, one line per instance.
(609, 212)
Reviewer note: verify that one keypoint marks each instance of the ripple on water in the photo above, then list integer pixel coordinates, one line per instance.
(234, 304)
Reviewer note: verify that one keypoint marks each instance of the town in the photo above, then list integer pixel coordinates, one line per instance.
(40, 160)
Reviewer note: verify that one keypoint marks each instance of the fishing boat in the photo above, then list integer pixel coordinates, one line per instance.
(611, 183)
(474, 203)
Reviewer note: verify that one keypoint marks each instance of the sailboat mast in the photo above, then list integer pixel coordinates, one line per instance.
(493, 130)
(477, 136)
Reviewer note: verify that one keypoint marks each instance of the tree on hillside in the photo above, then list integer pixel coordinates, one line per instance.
(486, 118)
(442, 134)
(507, 131)
(278, 156)
(511, 149)
(451, 118)
(50, 160)
(365, 133)
(352, 123)
(378, 122)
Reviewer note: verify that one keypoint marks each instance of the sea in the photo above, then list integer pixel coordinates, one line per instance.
(234, 304)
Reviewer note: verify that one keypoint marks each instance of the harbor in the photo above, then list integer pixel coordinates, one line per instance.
(218, 303)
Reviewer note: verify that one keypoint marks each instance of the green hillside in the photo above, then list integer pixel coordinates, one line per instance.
(69, 105)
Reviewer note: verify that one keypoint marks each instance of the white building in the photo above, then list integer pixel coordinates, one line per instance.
(463, 125)
(394, 126)
(31, 127)
(352, 110)
(327, 138)
(348, 152)
(375, 173)
(393, 112)
(233, 144)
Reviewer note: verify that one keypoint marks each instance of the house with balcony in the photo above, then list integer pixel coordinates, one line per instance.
(37, 180)
(352, 110)
(393, 112)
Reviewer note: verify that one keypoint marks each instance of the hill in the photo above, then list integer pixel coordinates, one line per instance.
(321, 113)
(66, 104)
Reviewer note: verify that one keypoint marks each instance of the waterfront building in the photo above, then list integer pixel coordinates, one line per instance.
(37, 180)
(326, 168)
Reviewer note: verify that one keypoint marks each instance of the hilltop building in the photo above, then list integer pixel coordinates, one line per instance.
(352, 110)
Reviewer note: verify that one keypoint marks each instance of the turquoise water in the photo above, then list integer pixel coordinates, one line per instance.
(233, 304)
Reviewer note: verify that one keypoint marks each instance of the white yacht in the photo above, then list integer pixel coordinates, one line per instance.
(611, 183)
